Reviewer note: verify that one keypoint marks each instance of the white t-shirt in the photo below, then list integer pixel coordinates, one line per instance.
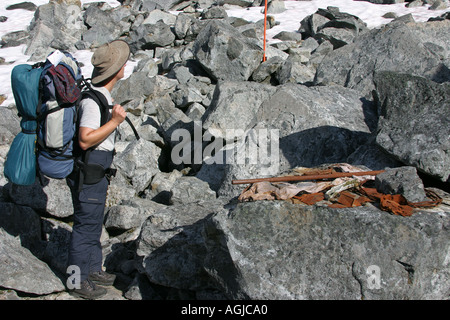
(90, 118)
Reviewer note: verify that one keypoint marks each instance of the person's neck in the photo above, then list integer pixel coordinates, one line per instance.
(110, 85)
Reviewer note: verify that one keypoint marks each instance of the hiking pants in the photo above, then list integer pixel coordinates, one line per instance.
(85, 249)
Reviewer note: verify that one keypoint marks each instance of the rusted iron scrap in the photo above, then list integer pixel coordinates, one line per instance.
(398, 205)
(345, 191)
(306, 177)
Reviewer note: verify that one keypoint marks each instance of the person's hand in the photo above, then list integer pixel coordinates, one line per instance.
(118, 114)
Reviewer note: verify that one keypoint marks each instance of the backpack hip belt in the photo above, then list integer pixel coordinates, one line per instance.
(93, 173)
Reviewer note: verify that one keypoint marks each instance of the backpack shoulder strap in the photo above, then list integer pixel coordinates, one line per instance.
(100, 99)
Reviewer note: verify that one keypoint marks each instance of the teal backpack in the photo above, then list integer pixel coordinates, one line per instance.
(47, 97)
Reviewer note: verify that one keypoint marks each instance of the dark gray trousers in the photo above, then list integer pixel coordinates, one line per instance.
(89, 204)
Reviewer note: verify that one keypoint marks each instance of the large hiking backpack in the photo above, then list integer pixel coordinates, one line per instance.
(60, 93)
(46, 96)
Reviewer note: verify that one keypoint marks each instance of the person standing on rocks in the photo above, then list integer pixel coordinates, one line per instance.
(85, 252)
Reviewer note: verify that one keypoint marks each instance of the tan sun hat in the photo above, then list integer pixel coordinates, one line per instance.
(108, 59)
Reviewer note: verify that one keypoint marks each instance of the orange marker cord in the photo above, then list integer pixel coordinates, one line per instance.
(265, 29)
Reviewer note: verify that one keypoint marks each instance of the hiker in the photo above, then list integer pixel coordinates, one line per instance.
(85, 250)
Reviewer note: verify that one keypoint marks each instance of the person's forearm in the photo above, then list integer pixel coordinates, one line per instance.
(89, 137)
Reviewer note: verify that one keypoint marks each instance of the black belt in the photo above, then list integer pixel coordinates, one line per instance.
(93, 173)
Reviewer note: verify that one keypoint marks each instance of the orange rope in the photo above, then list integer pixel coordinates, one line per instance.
(265, 29)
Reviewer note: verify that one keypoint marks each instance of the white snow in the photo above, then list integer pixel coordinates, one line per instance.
(289, 20)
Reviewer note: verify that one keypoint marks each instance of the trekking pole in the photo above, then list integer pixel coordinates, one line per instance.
(309, 177)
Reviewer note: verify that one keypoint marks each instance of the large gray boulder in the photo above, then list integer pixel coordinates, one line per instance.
(278, 250)
(276, 6)
(22, 271)
(414, 125)
(316, 124)
(234, 105)
(157, 14)
(404, 181)
(187, 27)
(138, 162)
(56, 25)
(172, 246)
(138, 85)
(416, 48)
(150, 36)
(105, 24)
(123, 218)
(186, 190)
(51, 197)
(330, 24)
(303, 127)
(225, 53)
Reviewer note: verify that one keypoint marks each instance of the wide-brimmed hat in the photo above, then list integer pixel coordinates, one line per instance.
(108, 59)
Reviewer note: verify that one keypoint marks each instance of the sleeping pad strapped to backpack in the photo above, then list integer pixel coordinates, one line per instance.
(20, 164)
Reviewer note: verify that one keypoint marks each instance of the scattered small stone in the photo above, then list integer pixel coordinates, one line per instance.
(30, 6)
(438, 5)
(390, 15)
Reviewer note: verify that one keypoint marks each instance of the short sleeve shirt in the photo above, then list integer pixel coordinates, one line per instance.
(90, 118)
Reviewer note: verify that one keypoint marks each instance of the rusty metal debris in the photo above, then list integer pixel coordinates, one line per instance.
(397, 204)
(343, 190)
(310, 199)
(308, 177)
